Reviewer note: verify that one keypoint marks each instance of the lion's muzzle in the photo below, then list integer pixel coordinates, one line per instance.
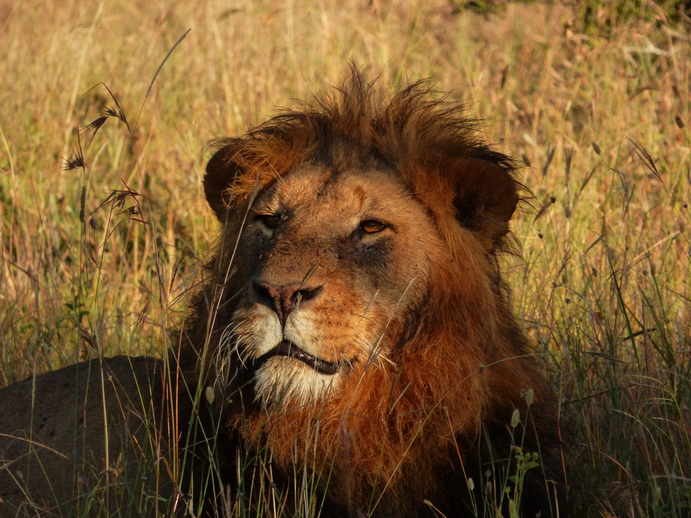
(284, 299)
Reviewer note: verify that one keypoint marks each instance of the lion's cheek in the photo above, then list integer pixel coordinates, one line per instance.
(349, 342)
(315, 333)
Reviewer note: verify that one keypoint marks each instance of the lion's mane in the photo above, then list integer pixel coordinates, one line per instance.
(409, 433)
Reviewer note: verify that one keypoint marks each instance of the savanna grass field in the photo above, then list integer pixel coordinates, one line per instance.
(107, 109)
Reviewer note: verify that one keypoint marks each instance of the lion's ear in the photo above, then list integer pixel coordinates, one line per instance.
(221, 172)
(486, 197)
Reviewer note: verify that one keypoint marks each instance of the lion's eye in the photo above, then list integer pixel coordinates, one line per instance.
(270, 220)
(372, 226)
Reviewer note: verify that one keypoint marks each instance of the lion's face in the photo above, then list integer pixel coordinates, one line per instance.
(332, 260)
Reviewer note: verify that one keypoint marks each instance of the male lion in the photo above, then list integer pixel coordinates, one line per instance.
(352, 350)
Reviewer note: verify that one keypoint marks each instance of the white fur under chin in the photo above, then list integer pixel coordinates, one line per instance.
(286, 381)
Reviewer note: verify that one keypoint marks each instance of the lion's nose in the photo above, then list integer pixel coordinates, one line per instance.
(284, 299)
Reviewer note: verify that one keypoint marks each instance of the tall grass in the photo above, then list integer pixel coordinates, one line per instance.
(97, 260)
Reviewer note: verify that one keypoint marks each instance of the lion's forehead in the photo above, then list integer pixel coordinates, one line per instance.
(339, 194)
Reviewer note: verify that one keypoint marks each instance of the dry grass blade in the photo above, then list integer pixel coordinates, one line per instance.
(92, 128)
(649, 162)
(543, 208)
(158, 70)
(586, 180)
(548, 161)
(116, 112)
(116, 199)
(76, 159)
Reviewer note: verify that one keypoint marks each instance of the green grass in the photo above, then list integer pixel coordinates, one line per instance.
(597, 105)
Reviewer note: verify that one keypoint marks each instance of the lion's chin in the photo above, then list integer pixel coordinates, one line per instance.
(284, 379)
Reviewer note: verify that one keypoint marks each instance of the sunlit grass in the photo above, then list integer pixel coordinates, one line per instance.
(98, 259)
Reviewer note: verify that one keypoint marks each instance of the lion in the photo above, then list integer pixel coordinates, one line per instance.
(352, 348)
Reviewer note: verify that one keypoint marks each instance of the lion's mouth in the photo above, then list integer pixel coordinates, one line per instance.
(286, 348)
